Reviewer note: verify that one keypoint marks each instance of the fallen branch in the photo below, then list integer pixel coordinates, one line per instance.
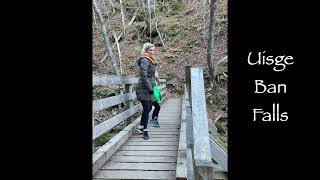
(217, 118)
(221, 60)
(105, 56)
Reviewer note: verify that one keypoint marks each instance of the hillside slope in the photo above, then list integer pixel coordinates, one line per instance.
(184, 28)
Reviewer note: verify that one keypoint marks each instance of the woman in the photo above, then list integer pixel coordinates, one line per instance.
(144, 89)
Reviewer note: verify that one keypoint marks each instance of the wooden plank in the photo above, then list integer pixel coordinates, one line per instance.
(219, 155)
(155, 136)
(181, 170)
(109, 124)
(104, 103)
(163, 132)
(122, 174)
(190, 164)
(169, 123)
(146, 153)
(212, 127)
(150, 148)
(171, 139)
(106, 151)
(150, 143)
(163, 129)
(202, 153)
(142, 159)
(112, 79)
(140, 166)
(189, 127)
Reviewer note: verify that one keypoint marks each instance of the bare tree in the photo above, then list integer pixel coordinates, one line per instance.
(211, 39)
(106, 38)
(111, 3)
(119, 52)
(122, 16)
(154, 12)
(94, 18)
(149, 12)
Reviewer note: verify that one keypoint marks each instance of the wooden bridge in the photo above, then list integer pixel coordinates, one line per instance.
(183, 147)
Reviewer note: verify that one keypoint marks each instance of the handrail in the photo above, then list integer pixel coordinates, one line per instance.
(201, 148)
(203, 165)
(129, 96)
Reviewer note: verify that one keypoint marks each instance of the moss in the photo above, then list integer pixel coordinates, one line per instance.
(102, 139)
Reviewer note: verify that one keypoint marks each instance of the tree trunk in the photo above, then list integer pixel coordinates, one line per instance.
(123, 22)
(119, 52)
(114, 10)
(149, 11)
(211, 39)
(106, 38)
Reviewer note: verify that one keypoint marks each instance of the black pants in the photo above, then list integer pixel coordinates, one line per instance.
(147, 106)
(156, 110)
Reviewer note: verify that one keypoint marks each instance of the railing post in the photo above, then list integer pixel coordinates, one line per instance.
(188, 81)
(128, 89)
(201, 142)
(93, 146)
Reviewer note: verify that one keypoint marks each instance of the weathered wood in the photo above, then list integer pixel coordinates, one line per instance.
(219, 155)
(190, 164)
(140, 166)
(163, 129)
(189, 126)
(106, 151)
(203, 167)
(150, 148)
(212, 138)
(202, 153)
(112, 79)
(104, 103)
(148, 143)
(109, 124)
(163, 132)
(158, 136)
(181, 170)
(188, 81)
(115, 174)
(174, 139)
(212, 127)
(129, 89)
(142, 159)
(146, 153)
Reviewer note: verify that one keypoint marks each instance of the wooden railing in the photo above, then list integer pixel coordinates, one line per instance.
(197, 148)
(127, 98)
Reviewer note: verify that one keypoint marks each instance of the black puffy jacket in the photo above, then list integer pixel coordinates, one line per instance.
(146, 80)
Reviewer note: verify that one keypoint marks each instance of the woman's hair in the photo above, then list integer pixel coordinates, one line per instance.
(146, 47)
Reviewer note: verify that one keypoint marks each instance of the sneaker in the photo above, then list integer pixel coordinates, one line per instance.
(151, 121)
(156, 124)
(145, 134)
(139, 130)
